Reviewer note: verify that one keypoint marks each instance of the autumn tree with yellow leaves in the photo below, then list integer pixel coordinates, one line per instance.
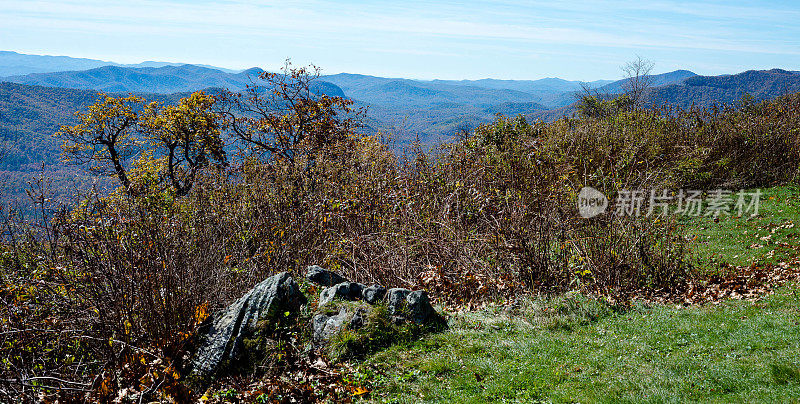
(189, 136)
(105, 137)
(116, 130)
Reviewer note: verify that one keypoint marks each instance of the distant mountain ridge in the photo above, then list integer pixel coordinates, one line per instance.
(164, 79)
(703, 91)
(380, 90)
(428, 110)
(405, 110)
(161, 80)
(564, 100)
(656, 80)
(16, 64)
(550, 84)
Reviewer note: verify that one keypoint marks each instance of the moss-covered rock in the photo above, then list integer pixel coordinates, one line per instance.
(379, 329)
(271, 304)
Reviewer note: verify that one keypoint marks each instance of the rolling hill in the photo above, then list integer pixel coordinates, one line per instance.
(706, 90)
(162, 80)
(430, 111)
(30, 115)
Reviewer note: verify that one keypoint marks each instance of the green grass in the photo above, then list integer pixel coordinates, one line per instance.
(769, 238)
(738, 351)
(575, 349)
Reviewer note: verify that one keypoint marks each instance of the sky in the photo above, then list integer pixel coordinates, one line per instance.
(575, 40)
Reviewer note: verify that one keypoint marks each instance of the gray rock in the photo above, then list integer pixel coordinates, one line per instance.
(322, 276)
(356, 290)
(269, 301)
(327, 295)
(373, 294)
(419, 307)
(359, 318)
(344, 290)
(414, 306)
(396, 300)
(326, 326)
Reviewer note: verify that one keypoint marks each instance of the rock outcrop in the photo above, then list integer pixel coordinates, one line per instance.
(344, 290)
(374, 294)
(412, 305)
(267, 303)
(378, 317)
(324, 326)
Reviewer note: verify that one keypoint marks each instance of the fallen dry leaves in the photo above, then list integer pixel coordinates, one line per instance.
(311, 379)
(742, 283)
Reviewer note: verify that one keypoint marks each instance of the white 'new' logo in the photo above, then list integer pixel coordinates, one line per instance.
(591, 202)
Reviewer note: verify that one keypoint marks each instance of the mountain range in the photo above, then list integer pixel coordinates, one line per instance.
(407, 110)
(40, 93)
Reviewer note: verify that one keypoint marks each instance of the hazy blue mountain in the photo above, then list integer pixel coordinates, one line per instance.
(545, 87)
(416, 109)
(16, 64)
(12, 63)
(419, 108)
(382, 90)
(393, 91)
(617, 87)
(164, 80)
(663, 79)
(430, 110)
(708, 90)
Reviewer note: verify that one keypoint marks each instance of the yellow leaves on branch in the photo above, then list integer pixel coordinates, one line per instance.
(201, 313)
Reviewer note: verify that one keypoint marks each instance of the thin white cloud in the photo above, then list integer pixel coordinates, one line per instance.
(341, 30)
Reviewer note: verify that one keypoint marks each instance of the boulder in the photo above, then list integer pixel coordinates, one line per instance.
(359, 318)
(324, 326)
(395, 300)
(373, 294)
(411, 305)
(344, 290)
(269, 302)
(419, 307)
(371, 323)
(322, 276)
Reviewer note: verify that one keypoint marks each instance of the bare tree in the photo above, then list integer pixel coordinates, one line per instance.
(638, 80)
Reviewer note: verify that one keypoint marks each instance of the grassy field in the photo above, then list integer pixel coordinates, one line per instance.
(738, 351)
(769, 238)
(575, 349)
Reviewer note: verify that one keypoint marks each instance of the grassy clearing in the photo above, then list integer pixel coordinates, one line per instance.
(738, 351)
(575, 349)
(769, 238)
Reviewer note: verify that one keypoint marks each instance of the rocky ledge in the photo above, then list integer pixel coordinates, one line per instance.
(349, 318)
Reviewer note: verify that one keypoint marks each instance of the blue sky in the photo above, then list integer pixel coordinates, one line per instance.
(577, 40)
